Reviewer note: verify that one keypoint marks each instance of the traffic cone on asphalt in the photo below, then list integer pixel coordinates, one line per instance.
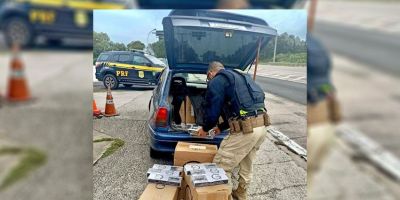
(96, 111)
(17, 87)
(110, 108)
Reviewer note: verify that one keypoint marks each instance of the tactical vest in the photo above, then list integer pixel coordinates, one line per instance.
(247, 95)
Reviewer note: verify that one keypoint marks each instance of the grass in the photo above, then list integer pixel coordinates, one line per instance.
(118, 143)
(10, 150)
(288, 59)
(104, 140)
(31, 160)
(115, 145)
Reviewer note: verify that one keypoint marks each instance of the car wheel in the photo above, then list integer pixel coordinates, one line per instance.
(18, 30)
(111, 81)
(128, 85)
(154, 153)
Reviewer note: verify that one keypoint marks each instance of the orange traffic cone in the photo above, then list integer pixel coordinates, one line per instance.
(110, 108)
(96, 111)
(17, 87)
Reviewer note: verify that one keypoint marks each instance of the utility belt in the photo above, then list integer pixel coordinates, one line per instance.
(246, 124)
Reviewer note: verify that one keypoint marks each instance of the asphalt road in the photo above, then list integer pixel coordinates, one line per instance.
(375, 49)
(57, 122)
(293, 91)
(278, 174)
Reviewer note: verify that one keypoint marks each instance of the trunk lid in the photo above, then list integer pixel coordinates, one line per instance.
(194, 38)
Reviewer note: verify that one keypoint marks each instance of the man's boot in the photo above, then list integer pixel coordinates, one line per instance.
(240, 193)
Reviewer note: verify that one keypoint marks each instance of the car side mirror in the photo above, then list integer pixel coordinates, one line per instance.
(149, 64)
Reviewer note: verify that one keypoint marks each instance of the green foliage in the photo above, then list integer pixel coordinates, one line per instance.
(102, 42)
(289, 49)
(159, 49)
(135, 45)
(117, 143)
(292, 57)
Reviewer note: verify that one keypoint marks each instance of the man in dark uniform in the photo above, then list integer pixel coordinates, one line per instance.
(240, 101)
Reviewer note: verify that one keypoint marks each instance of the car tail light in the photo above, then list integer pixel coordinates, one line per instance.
(161, 117)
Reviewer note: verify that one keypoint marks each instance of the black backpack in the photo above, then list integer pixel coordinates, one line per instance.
(248, 96)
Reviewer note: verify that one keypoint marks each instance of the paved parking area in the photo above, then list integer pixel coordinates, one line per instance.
(279, 174)
(58, 123)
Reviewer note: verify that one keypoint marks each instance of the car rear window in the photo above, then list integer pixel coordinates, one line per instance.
(193, 78)
(103, 57)
(202, 45)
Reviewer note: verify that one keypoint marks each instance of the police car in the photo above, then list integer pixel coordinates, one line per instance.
(194, 38)
(23, 21)
(128, 68)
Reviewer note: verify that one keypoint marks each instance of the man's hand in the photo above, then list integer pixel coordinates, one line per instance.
(202, 133)
(217, 130)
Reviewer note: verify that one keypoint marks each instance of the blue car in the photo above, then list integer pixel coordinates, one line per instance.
(193, 38)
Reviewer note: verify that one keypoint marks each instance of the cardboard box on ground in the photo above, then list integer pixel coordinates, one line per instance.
(201, 153)
(186, 153)
(192, 152)
(215, 192)
(159, 191)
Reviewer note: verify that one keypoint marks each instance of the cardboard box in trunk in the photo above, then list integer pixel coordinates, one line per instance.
(154, 192)
(215, 192)
(187, 112)
(192, 152)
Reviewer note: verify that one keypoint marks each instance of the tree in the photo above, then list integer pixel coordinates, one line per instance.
(136, 45)
(116, 46)
(101, 42)
(159, 48)
(286, 45)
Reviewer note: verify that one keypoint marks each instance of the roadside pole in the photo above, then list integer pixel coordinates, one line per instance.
(276, 41)
(257, 57)
(311, 15)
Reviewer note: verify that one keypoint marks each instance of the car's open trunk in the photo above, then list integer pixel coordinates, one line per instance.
(190, 107)
(186, 101)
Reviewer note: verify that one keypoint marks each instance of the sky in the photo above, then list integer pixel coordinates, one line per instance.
(130, 25)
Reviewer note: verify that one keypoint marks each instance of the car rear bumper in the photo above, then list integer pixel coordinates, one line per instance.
(99, 76)
(166, 142)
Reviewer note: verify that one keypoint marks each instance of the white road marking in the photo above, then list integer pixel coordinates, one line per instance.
(299, 78)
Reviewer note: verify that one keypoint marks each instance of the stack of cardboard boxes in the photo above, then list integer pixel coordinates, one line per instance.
(201, 179)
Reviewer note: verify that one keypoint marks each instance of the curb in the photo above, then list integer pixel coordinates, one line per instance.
(286, 141)
(371, 150)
